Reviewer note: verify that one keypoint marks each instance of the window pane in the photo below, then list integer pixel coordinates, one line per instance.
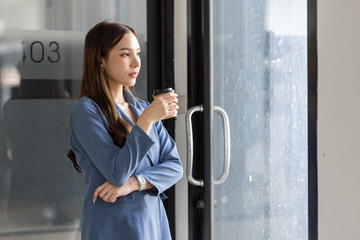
(260, 80)
(41, 54)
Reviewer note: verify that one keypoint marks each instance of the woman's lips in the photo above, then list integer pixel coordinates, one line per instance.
(133, 74)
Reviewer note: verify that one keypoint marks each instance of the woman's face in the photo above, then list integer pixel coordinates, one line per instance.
(123, 63)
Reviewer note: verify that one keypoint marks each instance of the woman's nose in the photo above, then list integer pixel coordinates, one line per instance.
(135, 61)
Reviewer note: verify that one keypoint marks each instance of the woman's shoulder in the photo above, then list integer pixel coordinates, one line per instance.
(86, 105)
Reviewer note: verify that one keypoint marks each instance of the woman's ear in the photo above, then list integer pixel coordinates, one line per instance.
(102, 64)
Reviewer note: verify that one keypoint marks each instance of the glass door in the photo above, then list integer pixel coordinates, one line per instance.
(249, 179)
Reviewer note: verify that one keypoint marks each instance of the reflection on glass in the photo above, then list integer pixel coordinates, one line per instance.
(40, 75)
(41, 50)
(260, 79)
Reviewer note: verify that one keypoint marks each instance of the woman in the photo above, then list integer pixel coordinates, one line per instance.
(119, 143)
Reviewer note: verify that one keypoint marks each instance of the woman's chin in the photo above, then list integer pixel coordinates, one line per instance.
(132, 82)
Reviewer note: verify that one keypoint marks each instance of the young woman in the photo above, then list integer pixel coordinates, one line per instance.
(119, 143)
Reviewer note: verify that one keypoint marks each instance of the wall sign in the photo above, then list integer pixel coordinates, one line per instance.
(43, 54)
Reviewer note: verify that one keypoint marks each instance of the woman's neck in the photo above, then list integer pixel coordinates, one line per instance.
(117, 93)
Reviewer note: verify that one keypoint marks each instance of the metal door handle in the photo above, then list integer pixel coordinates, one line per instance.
(189, 146)
(227, 143)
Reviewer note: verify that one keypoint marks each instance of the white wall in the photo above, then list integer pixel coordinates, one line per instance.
(339, 119)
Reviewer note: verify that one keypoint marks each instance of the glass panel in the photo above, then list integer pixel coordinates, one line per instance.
(260, 79)
(41, 51)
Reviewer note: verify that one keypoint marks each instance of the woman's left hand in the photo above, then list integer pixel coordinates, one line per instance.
(109, 192)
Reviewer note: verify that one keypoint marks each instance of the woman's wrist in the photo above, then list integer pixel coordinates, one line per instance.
(134, 185)
(144, 123)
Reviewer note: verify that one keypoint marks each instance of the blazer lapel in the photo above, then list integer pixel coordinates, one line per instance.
(137, 110)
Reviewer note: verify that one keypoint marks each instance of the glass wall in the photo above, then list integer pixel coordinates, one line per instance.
(41, 48)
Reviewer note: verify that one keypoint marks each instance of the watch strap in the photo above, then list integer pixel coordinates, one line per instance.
(141, 181)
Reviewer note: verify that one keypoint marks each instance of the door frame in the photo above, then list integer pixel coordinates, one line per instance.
(160, 47)
(199, 78)
(312, 119)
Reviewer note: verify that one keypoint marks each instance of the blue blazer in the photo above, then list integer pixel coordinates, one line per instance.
(139, 215)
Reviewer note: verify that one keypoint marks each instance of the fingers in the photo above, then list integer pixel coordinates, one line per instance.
(164, 106)
(173, 109)
(170, 101)
(106, 191)
(171, 114)
(169, 94)
(174, 100)
(169, 97)
(98, 191)
(106, 196)
(173, 106)
(112, 198)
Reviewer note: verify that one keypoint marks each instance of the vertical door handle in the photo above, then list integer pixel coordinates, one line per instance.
(227, 143)
(189, 146)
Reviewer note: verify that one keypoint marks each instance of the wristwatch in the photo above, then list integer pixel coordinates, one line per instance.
(141, 181)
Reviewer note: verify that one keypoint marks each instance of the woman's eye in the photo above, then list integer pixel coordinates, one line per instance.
(139, 53)
(125, 54)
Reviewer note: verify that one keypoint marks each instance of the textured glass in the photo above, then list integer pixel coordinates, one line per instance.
(41, 54)
(260, 80)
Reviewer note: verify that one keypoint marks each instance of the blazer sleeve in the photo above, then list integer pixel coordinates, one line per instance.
(169, 168)
(90, 137)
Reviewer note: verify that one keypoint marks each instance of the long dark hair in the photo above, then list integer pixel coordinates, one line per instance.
(98, 42)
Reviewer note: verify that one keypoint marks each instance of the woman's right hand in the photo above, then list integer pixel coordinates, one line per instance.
(163, 107)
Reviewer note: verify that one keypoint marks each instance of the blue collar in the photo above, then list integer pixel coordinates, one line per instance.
(134, 105)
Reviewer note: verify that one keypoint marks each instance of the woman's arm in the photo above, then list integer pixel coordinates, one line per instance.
(169, 168)
(109, 192)
(90, 137)
(159, 177)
